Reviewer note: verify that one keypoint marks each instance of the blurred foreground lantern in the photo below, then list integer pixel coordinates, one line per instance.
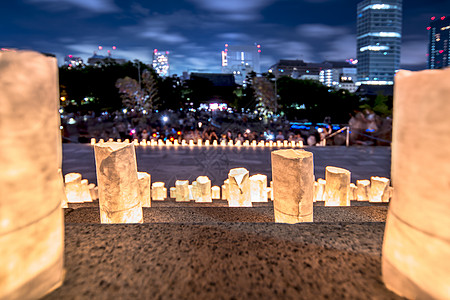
(31, 219)
(337, 187)
(239, 188)
(64, 201)
(293, 181)
(144, 189)
(118, 184)
(416, 247)
(320, 189)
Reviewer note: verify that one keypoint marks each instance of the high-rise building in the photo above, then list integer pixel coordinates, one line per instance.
(379, 33)
(438, 49)
(241, 60)
(161, 62)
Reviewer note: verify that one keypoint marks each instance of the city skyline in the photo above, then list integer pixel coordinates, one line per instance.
(195, 31)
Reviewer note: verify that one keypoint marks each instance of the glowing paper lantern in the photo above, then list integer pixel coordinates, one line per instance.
(85, 195)
(110, 140)
(172, 192)
(416, 248)
(207, 143)
(199, 142)
(175, 143)
(73, 187)
(337, 187)
(293, 178)
(225, 190)
(379, 189)
(230, 143)
(160, 142)
(214, 143)
(191, 143)
(119, 140)
(168, 143)
(191, 192)
(93, 190)
(215, 192)
(93, 141)
(158, 191)
(320, 189)
(31, 219)
(254, 143)
(127, 141)
(101, 141)
(182, 190)
(118, 184)
(183, 142)
(239, 188)
(362, 190)
(136, 142)
(352, 193)
(238, 143)
(223, 143)
(246, 143)
(144, 189)
(204, 189)
(285, 143)
(258, 186)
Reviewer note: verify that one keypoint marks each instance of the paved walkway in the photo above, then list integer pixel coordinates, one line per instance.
(168, 164)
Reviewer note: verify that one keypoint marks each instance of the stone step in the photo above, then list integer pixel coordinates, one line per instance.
(223, 261)
(262, 214)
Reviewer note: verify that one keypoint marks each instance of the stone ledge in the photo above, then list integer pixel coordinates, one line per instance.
(223, 261)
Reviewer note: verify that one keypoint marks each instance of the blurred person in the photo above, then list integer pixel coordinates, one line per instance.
(280, 136)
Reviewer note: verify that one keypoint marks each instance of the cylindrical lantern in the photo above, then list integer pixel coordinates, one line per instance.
(31, 218)
(320, 190)
(93, 191)
(379, 189)
(144, 189)
(203, 189)
(239, 188)
(215, 192)
(85, 194)
(362, 190)
(118, 184)
(182, 190)
(258, 188)
(293, 182)
(416, 248)
(172, 192)
(73, 187)
(158, 191)
(337, 187)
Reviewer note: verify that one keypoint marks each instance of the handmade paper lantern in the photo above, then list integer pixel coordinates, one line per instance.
(172, 192)
(110, 140)
(31, 218)
(254, 143)
(215, 192)
(337, 187)
(362, 190)
(214, 143)
(230, 143)
(93, 191)
(144, 189)
(416, 247)
(204, 189)
(101, 141)
(223, 143)
(191, 192)
(168, 143)
(119, 140)
(158, 191)
(93, 141)
(238, 143)
(127, 141)
(191, 143)
(160, 142)
(175, 143)
(73, 187)
(182, 190)
(320, 190)
(293, 178)
(379, 189)
(85, 194)
(199, 142)
(225, 190)
(246, 143)
(183, 142)
(352, 191)
(239, 188)
(258, 186)
(118, 184)
(285, 143)
(207, 143)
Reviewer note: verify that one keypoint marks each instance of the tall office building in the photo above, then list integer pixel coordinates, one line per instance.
(379, 33)
(241, 60)
(438, 49)
(161, 62)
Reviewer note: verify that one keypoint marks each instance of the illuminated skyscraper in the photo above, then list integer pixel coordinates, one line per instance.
(438, 49)
(379, 28)
(161, 62)
(241, 60)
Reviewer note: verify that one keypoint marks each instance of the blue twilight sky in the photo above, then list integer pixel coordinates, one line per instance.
(195, 31)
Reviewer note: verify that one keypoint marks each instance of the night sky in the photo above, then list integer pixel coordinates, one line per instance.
(195, 31)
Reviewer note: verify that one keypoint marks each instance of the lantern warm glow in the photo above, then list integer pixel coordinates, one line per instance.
(73, 187)
(172, 192)
(215, 192)
(144, 189)
(85, 194)
(337, 187)
(293, 177)
(118, 184)
(158, 192)
(416, 247)
(182, 190)
(362, 190)
(203, 189)
(239, 188)
(258, 185)
(31, 218)
(379, 189)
